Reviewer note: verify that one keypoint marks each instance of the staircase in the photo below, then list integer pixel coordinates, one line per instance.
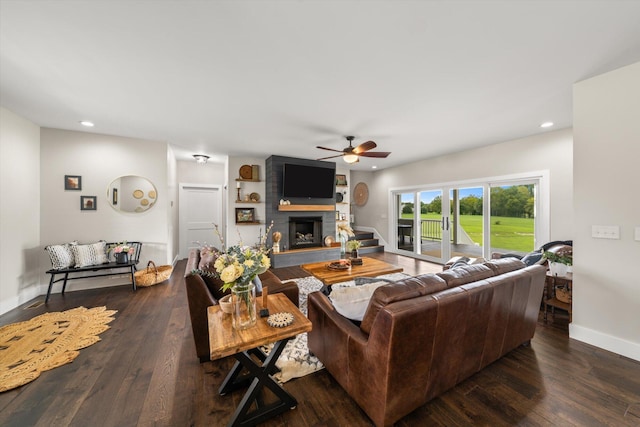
(368, 243)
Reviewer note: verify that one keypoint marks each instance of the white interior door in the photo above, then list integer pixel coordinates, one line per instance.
(200, 209)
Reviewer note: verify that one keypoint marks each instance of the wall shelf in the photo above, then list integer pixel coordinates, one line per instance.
(306, 208)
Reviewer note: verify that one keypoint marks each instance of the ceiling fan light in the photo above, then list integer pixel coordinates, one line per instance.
(350, 158)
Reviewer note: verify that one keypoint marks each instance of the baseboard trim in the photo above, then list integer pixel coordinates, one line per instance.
(607, 342)
(25, 295)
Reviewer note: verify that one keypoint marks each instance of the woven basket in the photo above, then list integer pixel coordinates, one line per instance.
(563, 295)
(152, 276)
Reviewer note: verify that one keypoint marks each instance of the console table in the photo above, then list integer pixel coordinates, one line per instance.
(550, 298)
(224, 341)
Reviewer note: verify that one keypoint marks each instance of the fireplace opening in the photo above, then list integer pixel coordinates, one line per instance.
(305, 232)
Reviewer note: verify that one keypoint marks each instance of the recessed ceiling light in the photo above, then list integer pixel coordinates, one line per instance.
(87, 123)
(546, 125)
(374, 167)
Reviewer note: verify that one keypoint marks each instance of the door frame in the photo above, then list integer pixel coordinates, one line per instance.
(182, 227)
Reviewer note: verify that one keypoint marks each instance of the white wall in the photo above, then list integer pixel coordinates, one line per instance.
(19, 210)
(99, 159)
(550, 151)
(606, 293)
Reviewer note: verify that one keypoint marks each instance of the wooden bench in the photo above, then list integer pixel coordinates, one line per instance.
(115, 268)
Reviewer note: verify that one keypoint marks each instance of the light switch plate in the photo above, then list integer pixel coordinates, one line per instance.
(605, 231)
(637, 234)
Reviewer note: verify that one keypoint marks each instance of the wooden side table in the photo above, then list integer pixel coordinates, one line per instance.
(224, 341)
(550, 297)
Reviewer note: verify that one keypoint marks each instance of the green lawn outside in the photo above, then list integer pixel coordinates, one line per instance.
(515, 234)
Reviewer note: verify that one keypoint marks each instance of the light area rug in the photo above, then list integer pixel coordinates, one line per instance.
(295, 360)
(47, 341)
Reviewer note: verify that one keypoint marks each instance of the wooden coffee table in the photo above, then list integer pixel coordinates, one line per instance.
(370, 267)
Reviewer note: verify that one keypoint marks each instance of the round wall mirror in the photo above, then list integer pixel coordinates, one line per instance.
(131, 193)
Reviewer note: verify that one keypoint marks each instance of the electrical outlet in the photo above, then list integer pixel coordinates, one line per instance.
(605, 231)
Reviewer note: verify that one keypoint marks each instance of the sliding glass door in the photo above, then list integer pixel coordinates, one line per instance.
(474, 220)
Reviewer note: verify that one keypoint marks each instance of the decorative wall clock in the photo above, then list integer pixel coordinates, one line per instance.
(360, 194)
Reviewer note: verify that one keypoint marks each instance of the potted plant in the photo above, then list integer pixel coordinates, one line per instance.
(353, 246)
(559, 262)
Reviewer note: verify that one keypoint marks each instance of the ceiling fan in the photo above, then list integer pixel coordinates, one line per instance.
(352, 154)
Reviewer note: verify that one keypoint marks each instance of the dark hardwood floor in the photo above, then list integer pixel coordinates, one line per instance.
(145, 372)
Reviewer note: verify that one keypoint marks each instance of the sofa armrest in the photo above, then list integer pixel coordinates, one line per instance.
(290, 289)
(330, 336)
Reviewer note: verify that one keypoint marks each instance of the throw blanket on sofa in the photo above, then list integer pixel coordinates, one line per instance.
(295, 360)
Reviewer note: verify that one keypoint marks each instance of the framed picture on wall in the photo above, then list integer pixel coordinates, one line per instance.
(245, 215)
(341, 179)
(72, 182)
(88, 203)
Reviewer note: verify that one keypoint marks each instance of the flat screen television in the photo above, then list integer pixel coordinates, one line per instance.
(311, 182)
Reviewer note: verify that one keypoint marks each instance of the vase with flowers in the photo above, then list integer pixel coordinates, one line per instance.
(121, 252)
(344, 232)
(237, 267)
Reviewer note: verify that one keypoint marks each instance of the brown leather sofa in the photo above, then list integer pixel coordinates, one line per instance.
(423, 335)
(203, 292)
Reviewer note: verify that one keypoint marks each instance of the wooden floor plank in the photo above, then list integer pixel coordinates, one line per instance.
(145, 372)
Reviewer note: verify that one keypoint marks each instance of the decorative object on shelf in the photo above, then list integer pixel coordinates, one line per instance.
(280, 320)
(201, 159)
(225, 304)
(244, 215)
(285, 202)
(246, 172)
(72, 182)
(339, 197)
(341, 179)
(152, 194)
(237, 267)
(254, 197)
(329, 240)
(563, 293)
(238, 185)
(360, 194)
(138, 194)
(255, 172)
(88, 203)
(276, 241)
(144, 202)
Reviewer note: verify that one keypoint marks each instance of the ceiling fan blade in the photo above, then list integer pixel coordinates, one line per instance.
(365, 146)
(330, 149)
(380, 154)
(330, 157)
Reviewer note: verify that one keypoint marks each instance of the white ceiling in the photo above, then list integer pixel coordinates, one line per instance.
(280, 77)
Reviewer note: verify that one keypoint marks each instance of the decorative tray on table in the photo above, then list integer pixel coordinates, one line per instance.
(343, 264)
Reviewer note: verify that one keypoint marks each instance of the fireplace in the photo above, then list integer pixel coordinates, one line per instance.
(305, 232)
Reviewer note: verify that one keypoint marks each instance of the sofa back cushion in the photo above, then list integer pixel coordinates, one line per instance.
(410, 287)
(466, 274)
(505, 265)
